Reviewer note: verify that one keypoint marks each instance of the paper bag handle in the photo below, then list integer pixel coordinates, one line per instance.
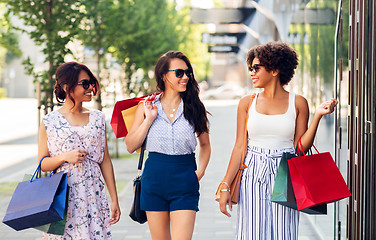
(300, 145)
(36, 173)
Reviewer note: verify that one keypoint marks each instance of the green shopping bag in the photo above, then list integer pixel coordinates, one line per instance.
(283, 192)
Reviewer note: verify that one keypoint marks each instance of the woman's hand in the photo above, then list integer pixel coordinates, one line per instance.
(151, 111)
(327, 107)
(115, 212)
(200, 174)
(74, 156)
(224, 200)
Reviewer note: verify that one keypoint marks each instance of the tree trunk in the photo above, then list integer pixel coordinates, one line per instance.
(98, 100)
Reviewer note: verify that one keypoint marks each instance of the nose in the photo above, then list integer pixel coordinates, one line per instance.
(185, 76)
(91, 86)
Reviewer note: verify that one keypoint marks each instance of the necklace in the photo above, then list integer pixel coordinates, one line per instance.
(171, 114)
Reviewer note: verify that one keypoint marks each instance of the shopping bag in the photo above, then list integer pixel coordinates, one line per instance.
(316, 179)
(123, 114)
(58, 227)
(283, 192)
(37, 201)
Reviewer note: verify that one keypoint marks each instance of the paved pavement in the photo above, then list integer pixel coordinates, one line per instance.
(18, 144)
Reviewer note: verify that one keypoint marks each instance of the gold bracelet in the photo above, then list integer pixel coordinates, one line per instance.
(225, 190)
(225, 183)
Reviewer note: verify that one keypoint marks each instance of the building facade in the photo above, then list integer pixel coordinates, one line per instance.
(355, 122)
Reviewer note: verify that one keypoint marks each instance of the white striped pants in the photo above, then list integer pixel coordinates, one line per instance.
(258, 217)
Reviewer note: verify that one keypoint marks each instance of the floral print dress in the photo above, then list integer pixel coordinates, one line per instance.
(88, 213)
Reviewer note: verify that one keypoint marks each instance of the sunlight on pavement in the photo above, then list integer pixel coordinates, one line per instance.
(18, 118)
(16, 153)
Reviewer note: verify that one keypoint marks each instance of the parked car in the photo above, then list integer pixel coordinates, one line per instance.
(226, 91)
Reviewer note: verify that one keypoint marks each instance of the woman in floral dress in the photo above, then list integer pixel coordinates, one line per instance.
(74, 140)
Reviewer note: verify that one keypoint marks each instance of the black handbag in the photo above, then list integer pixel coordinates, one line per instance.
(136, 213)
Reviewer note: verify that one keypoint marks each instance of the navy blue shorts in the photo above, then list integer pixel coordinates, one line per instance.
(169, 183)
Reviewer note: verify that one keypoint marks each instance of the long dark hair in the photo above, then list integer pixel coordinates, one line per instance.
(67, 74)
(194, 109)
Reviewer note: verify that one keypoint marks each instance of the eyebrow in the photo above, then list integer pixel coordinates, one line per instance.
(83, 80)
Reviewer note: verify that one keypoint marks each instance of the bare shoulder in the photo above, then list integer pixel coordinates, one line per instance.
(244, 102)
(301, 103)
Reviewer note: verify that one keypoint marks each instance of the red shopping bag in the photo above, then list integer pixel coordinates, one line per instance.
(126, 109)
(316, 180)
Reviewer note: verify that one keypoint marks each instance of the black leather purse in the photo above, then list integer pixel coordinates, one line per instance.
(136, 213)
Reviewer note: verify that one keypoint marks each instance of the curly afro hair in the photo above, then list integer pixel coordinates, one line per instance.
(275, 56)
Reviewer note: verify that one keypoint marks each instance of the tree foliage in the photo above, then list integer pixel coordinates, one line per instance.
(8, 40)
(145, 30)
(317, 56)
(191, 45)
(319, 52)
(136, 33)
(51, 24)
(96, 30)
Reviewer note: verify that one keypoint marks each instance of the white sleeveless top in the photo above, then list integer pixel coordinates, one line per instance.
(272, 131)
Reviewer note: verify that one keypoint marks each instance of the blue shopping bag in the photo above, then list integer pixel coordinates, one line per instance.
(57, 228)
(37, 201)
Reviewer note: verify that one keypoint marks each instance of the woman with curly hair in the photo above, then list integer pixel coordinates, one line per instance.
(277, 120)
(170, 125)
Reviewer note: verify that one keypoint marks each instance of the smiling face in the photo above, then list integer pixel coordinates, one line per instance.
(260, 76)
(80, 94)
(172, 82)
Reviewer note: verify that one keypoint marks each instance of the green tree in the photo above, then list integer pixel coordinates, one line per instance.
(51, 24)
(96, 32)
(317, 57)
(145, 30)
(191, 44)
(8, 40)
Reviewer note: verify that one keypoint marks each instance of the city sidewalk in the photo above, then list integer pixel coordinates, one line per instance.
(210, 223)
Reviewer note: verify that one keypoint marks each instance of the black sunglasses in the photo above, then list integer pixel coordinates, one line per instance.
(86, 83)
(254, 68)
(179, 73)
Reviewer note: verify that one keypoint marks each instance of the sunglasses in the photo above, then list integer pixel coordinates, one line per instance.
(179, 73)
(86, 83)
(254, 68)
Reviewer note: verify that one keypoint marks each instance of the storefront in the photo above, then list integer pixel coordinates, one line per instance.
(355, 121)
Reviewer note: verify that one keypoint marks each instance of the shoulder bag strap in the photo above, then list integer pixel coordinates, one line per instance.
(245, 142)
(141, 158)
